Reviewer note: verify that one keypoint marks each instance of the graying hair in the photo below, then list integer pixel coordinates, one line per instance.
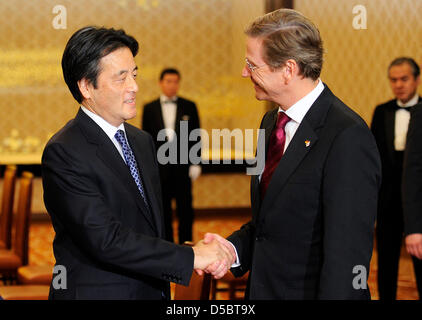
(412, 63)
(287, 34)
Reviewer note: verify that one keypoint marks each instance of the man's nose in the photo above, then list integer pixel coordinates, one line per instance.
(133, 86)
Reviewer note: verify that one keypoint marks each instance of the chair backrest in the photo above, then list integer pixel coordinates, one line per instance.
(23, 215)
(8, 195)
(198, 289)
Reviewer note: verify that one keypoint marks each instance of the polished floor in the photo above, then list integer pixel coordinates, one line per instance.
(42, 235)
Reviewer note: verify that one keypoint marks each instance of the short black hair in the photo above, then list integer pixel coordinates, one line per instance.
(84, 50)
(411, 62)
(169, 71)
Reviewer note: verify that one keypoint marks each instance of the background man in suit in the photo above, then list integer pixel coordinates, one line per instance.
(101, 184)
(166, 113)
(389, 126)
(314, 205)
(412, 191)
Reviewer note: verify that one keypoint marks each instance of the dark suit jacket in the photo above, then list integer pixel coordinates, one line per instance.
(316, 221)
(383, 127)
(152, 122)
(412, 174)
(110, 245)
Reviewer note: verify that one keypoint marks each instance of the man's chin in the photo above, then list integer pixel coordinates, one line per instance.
(130, 115)
(259, 95)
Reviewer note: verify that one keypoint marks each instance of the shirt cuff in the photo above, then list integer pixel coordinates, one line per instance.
(237, 262)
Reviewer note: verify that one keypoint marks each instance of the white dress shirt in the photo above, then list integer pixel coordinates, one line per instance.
(108, 128)
(402, 122)
(168, 110)
(296, 113)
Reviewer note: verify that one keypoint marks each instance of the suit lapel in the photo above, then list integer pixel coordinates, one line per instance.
(148, 186)
(298, 147)
(160, 118)
(268, 125)
(291, 159)
(108, 153)
(390, 118)
(179, 113)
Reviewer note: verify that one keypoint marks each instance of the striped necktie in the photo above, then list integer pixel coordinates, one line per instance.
(131, 163)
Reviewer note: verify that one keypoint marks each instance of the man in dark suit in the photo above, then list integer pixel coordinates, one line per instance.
(314, 205)
(177, 118)
(389, 126)
(101, 184)
(412, 191)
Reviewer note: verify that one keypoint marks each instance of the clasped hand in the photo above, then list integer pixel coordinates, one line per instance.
(213, 255)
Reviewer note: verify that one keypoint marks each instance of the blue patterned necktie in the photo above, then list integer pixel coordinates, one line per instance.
(131, 163)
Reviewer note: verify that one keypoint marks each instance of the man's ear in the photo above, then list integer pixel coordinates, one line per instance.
(85, 88)
(292, 67)
(290, 70)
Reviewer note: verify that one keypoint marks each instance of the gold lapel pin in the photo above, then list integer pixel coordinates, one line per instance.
(307, 143)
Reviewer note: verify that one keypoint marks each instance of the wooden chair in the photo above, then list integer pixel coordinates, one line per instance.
(6, 216)
(233, 285)
(19, 292)
(35, 275)
(11, 260)
(198, 289)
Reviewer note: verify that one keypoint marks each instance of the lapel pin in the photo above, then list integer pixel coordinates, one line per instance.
(307, 143)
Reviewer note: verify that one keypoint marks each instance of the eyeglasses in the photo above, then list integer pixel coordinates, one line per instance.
(252, 67)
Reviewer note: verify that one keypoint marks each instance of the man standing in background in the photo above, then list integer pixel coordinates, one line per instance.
(174, 114)
(389, 126)
(412, 191)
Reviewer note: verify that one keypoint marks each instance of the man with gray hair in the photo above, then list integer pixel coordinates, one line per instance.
(314, 204)
(389, 126)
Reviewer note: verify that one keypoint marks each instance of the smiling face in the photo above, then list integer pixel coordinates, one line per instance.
(402, 81)
(114, 99)
(267, 82)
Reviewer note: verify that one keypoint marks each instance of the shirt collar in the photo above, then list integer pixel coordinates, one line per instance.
(298, 110)
(409, 103)
(108, 128)
(164, 98)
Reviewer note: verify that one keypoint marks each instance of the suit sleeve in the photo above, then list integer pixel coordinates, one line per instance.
(243, 241)
(412, 175)
(378, 129)
(74, 198)
(350, 187)
(194, 124)
(375, 121)
(195, 115)
(146, 119)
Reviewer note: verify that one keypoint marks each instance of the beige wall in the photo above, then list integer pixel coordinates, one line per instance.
(356, 61)
(203, 38)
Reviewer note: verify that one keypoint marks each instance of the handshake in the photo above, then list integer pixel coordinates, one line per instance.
(214, 255)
